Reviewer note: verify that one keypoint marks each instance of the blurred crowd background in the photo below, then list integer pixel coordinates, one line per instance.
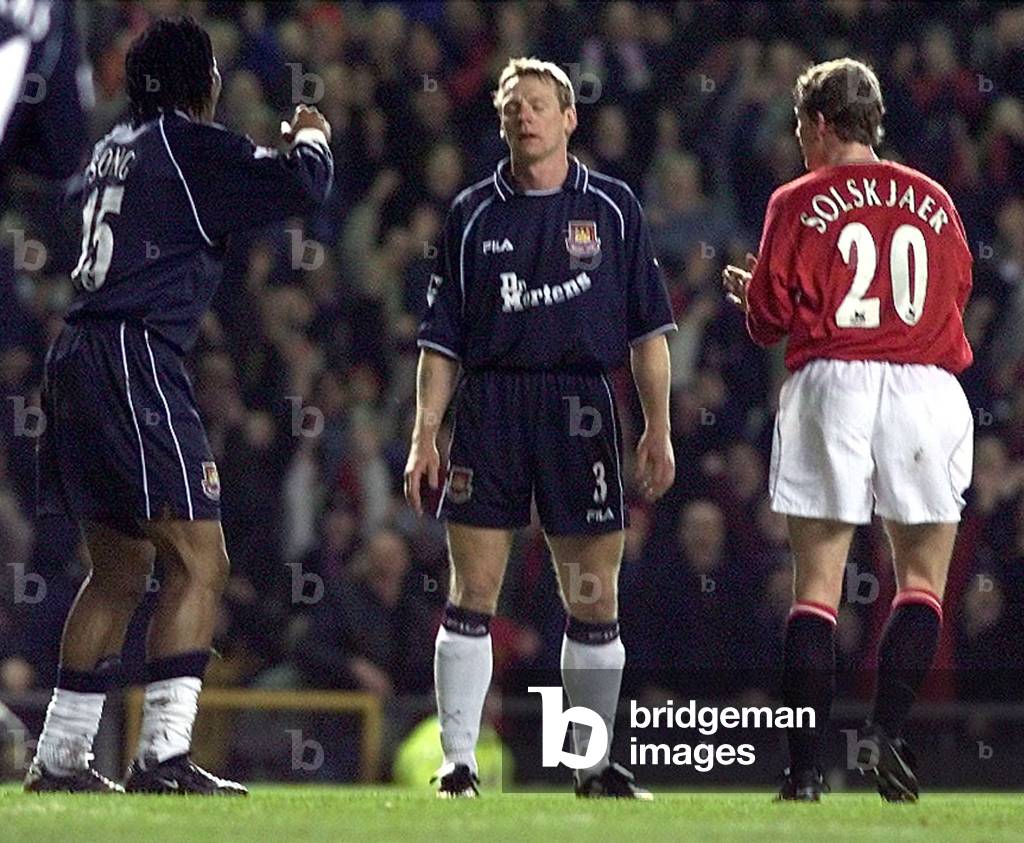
(305, 375)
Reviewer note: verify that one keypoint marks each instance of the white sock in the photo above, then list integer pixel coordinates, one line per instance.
(72, 720)
(462, 675)
(592, 676)
(168, 714)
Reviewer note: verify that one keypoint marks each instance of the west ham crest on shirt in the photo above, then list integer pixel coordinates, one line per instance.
(460, 484)
(582, 240)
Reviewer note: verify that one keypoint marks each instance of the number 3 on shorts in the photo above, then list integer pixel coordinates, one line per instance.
(601, 490)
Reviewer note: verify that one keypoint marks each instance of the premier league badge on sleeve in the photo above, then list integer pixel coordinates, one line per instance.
(582, 241)
(460, 484)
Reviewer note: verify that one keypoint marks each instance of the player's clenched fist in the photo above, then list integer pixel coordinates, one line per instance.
(424, 461)
(655, 464)
(305, 117)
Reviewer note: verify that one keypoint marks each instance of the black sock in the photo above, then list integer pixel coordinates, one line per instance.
(808, 679)
(905, 656)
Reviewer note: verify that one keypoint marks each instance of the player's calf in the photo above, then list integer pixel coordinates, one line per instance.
(178, 651)
(905, 654)
(90, 664)
(808, 681)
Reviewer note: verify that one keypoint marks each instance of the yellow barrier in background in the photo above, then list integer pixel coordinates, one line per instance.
(246, 699)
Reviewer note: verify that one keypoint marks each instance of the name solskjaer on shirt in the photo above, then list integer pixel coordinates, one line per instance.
(517, 296)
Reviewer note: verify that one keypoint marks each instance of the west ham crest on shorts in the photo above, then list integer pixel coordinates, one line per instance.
(582, 241)
(211, 481)
(460, 484)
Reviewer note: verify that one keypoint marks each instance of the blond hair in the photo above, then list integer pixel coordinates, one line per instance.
(523, 66)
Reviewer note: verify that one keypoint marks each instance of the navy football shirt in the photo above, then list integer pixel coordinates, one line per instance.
(42, 88)
(159, 201)
(563, 278)
(43, 93)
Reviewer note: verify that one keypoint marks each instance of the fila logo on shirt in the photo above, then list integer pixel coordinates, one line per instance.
(496, 247)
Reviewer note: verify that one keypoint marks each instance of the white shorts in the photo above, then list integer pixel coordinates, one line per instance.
(856, 436)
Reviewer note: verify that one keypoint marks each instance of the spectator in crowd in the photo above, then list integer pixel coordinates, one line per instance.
(372, 629)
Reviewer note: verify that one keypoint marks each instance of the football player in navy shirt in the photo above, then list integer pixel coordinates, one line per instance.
(42, 104)
(545, 281)
(124, 450)
(43, 95)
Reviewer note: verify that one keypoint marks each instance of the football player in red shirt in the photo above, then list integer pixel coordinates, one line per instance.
(864, 266)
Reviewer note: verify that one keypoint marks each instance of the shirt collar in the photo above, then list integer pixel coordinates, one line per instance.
(576, 181)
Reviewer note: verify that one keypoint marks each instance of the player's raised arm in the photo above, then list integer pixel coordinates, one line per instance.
(237, 185)
(656, 465)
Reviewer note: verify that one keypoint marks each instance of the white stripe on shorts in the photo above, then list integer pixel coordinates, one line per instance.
(615, 447)
(135, 421)
(170, 424)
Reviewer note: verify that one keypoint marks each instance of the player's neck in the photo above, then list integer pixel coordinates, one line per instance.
(544, 174)
(850, 153)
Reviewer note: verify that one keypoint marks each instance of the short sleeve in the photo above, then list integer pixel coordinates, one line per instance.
(443, 327)
(649, 311)
(237, 185)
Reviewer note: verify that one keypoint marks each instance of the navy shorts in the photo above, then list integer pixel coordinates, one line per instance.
(549, 437)
(123, 441)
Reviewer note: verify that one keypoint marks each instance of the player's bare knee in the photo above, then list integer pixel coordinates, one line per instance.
(193, 553)
(478, 593)
(124, 587)
(206, 570)
(210, 569)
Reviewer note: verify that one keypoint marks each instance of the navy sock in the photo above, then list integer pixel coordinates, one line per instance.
(171, 667)
(105, 676)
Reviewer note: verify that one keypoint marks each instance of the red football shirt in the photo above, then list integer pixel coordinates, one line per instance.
(863, 261)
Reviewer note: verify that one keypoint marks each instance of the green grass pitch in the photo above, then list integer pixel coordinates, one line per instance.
(283, 814)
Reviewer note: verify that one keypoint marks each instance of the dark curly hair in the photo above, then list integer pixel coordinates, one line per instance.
(169, 66)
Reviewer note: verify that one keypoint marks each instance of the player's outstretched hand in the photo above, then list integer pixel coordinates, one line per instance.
(735, 281)
(424, 461)
(655, 464)
(305, 117)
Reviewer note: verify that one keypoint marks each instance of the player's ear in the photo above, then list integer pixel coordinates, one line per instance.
(215, 88)
(570, 120)
(820, 124)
